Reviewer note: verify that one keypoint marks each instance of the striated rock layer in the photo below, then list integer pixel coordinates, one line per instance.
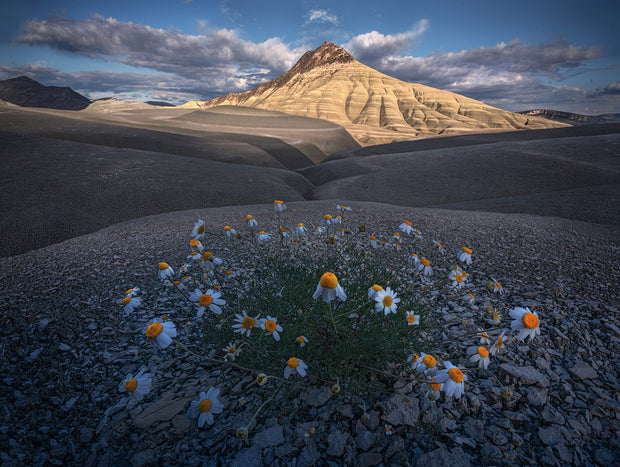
(328, 83)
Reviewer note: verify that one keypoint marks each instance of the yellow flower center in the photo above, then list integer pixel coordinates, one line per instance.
(293, 362)
(415, 357)
(466, 250)
(530, 320)
(459, 278)
(387, 301)
(425, 262)
(396, 234)
(261, 378)
(282, 229)
(483, 352)
(163, 266)
(248, 323)
(270, 325)
(131, 385)
(229, 273)
(154, 330)
(300, 225)
(439, 245)
(472, 297)
(207, 255)
(495, 316)
(177, 283)
(455, 375)
(201, 229)
(429, 361)
(129, 291)
(435, 386)
(301, 339)
(126, 300)
(329, 280)
(164, 318)
(327, 217)
(500, 342)
(410, 318)
(277, 201)
(204, 406)
(377, 288)
(193, 243)
(484, 334)
(372, 237)
(408, 223)
(227, 228)
(498, 285)
(262, 232)
(248, 217)
(232, 350)
(205, 299)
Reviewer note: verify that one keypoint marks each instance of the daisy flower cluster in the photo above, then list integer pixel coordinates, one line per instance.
(335, 307)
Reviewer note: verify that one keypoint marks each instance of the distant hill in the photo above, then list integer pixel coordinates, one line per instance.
(330, 84)
(27, 92)
(572, 118)
(160, 103)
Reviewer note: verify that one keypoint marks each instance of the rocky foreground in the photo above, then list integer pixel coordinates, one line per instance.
(65, 348)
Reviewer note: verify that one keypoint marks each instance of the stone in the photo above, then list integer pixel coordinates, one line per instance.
(582, 370)
(551, 435)
(317, 397)
(455, 457)
(401, 410)
(248, 457)
(161, 411)
(604, 456)
(365, 439)
(475, 429)
(309, 455)
(336, 442)
(490, 451)
(86, 434)
(143, 458)
(270, 437)
(64, 347)
(564, 453)
(525, 374)
(537, 397)
(181, 424)
(368, 459)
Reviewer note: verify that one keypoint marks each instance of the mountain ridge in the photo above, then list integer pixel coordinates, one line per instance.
(375, 108)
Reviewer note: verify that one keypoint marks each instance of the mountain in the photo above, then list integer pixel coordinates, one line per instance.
(27, 92)
(572, 118)
(375, 108)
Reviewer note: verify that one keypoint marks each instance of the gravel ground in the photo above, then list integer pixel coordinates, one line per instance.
(65, 349)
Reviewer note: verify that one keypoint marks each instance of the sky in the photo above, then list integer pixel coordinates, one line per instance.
(562, 55)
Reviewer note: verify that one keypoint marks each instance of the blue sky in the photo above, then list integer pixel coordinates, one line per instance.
(514, 55)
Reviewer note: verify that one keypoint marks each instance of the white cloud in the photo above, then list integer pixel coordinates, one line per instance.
(321, 16)
(374, 46)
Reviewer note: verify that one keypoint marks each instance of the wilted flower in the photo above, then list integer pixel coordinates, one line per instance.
(480, 355)
(251, 221)
(295, 365)
(464, 255)
(373, 291)
(130, 303)
(165, 271)
(329, 288)
(406, 227)
(301, 229)
(279, 206)
(198, 232)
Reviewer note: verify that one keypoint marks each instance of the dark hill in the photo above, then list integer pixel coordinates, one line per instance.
(27, 92)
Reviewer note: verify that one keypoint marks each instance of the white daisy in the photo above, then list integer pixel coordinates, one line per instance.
(195, 244)
(263, 236)
(434, 390)
(427, 364)
(279, 206)
(329, 288)
(131, 303)
(406, 227)
(319, 230)
(245, 323)
(343, 208)
(412, 320)
(271, 326)
(470, 299)
(301, 229)
(415, 259)
(453, 380)
(295, 365)
(283, 232)
(229, 231)
(484, 338)
(210, 299)
(194, 256)
(161, 332)
(396, 237)
(165, 271)
(499, 344)
(327, 220)
(480, 355)
(251, 221)
(301, 340)
(386, 301)
(424, 266)
(373, 291)
(413, 359)
(204, 408)
(132, 292)
(137, 386)
(438, 244)
(526, 322)
(464, 255)
(373, 241)
(198, 232)
(231, 352)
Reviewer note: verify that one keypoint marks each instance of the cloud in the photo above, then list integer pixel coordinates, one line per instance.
(373, 47)
(168, 51)
(321, 16)
(612, 88)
